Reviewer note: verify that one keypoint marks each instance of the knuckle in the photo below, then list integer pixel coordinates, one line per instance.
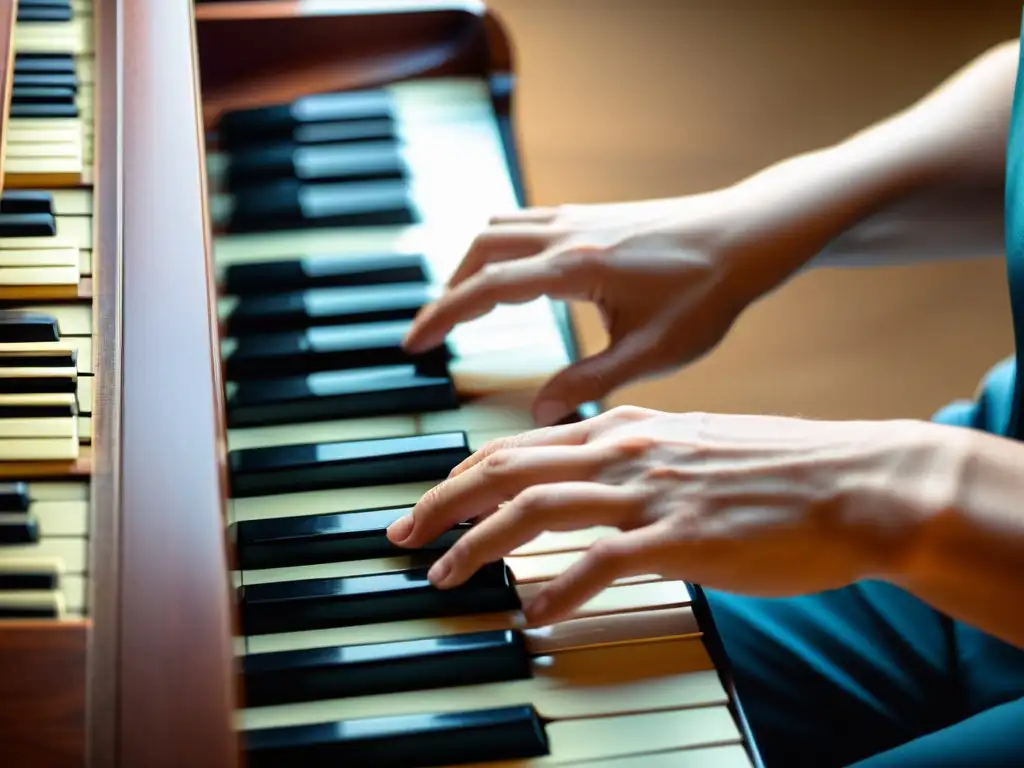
(606, 554)
(580, 260)
(531, 501)
(630, 446)
(629, 413)
(499, 462)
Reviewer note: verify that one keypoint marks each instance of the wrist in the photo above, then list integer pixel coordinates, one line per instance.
(924, 481)
(903, 494)
(800, 205)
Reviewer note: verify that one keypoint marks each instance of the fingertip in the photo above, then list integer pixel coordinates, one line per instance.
(398, 532)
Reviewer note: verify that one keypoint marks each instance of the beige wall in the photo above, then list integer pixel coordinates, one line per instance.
(635, 98)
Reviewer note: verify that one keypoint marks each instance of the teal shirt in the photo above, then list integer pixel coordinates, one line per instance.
(998, 405)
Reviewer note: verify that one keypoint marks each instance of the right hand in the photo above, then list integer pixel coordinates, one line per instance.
(669, 278)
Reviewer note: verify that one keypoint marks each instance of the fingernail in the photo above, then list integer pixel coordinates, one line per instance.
(550, 412)
(399, 530)
(439, 572)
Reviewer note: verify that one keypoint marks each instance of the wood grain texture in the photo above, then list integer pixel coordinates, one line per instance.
(42, 694)
(105, 525)
(175, 661)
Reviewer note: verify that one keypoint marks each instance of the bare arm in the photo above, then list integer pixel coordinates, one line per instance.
(925, 183)
(968, 557)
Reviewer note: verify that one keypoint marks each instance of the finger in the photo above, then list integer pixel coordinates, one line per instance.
(563, 434)
(513, 282)
(539, 508)
(614, 557)
(594, 378)
(526, 216)
(503, 243)
(502, 476)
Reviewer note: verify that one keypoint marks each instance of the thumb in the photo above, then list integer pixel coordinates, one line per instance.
(594, 377)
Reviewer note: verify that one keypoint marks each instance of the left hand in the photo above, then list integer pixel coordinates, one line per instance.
(756, 504)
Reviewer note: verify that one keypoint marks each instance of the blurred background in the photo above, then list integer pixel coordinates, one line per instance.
(627, 99)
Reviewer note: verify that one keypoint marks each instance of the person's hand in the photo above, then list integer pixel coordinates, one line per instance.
(756, 504)
(669, 278)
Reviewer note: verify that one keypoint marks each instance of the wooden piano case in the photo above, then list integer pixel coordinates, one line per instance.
(149, 681)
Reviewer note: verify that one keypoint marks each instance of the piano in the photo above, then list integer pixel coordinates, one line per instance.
(217, 220)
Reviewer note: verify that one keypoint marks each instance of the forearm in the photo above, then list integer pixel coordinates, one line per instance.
(894, 179)
(967, 558)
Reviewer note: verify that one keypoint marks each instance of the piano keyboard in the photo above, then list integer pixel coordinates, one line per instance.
(338, 216)
(47, 361)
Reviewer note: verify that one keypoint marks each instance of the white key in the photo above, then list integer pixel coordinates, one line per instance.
(533, 569)
(61, 518)
(72, 552)
(72, 319)
(325, 502)
(25, 276)
(732, 756)
(587, 683)
(74, 37)
(82, 344)
(38, 429)
(31, 150)
(613, 740)
(322, 432)
(41, 449)
(59, 491)
(629, 599)
(65, 257)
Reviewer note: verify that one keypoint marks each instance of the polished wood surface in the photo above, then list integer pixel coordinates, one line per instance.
(43, 694)
(175, 676)
(8, 11)
(106, 463)
(252, 55)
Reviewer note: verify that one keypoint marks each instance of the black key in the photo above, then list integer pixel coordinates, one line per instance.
(327, 306)
(349, 464)
(44, 110)
(68, 411)
(326, 348)
(44, 3)
(44, 14)
(324, 271)
(332, 538)
(27, 385)
(27, 225)
(361, 670)
(296, 606)
(29, 580)
(26, 327)
(317, 164)
(14, 497)
(404, 741)
(26, 201)
(18, 530)
(63, 80)
(279, 121)
(345, 132)
(338, 395)
(41, 358)
(42, 95)
(292, 204)
(41, 611)
(44, 62)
